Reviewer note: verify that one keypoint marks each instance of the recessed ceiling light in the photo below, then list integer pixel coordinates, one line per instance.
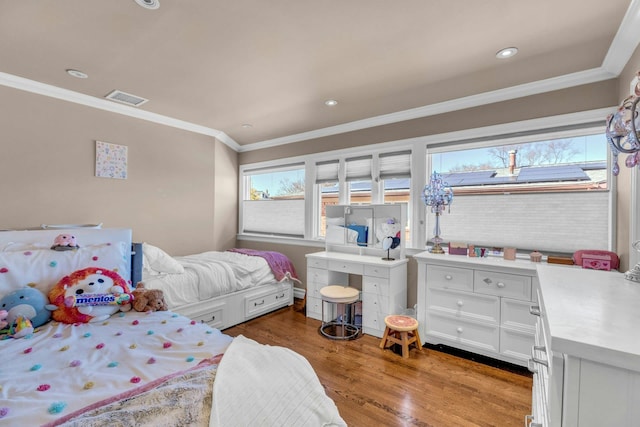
(507, 52)
(331, 103)
(77, 74)
(246, 126)
(148, 4)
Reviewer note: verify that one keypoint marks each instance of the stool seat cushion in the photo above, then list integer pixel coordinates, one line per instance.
(339, 294)
(401, 323)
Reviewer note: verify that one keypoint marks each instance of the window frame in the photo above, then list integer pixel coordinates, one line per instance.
(420, 166)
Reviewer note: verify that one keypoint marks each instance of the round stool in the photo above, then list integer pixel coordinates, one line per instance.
(401, 330)
(339, 302)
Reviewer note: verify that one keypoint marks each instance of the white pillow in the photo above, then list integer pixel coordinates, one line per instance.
(45, 267)
(158, 260)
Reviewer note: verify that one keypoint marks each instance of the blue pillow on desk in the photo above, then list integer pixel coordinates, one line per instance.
(363, 232)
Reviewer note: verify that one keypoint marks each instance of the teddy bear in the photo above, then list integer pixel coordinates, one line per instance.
(148, 299)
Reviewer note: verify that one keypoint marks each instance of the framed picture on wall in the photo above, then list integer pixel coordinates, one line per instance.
(111, 160)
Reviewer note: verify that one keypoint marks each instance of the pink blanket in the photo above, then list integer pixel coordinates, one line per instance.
(280, 265)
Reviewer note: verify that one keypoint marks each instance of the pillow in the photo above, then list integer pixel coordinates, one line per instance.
(92, 294)
(158, 260)
(363, 232)
(45, 267)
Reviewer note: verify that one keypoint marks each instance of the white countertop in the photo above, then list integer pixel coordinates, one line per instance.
(362, 259)
(592, 314)
(476, 262)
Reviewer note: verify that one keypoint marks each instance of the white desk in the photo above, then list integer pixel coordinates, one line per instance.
(384, 285)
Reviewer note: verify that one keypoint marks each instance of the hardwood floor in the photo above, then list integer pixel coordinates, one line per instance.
(374, 387)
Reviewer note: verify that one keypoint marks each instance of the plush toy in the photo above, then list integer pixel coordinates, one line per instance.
(389, 228)
(3, 319)
(89, 295)
(28, 303)
(65, 242)
(148, 299)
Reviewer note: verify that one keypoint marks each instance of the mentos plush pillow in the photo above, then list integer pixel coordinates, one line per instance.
(92, 294)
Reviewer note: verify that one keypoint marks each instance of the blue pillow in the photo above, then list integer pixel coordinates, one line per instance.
(363, 232)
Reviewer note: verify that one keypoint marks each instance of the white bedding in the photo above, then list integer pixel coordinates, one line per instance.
(276, 387)
(63, 368)
(207, 275)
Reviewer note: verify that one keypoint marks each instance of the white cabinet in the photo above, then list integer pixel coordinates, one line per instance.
(477, 304)
(384, 285)
(586, 361)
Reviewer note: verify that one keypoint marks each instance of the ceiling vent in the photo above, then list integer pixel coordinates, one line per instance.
(148, 4)
(126, 98)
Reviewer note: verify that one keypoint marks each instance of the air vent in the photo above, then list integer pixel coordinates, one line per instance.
(126, 98)
(148, 4)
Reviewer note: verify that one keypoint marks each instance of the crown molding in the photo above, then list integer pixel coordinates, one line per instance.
(555, 83)
(44, 89)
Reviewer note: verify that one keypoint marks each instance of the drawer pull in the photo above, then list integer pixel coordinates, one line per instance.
(535, 310)
(500, 285)
(448, 277)
(255, 304)
(487, 281)
(459, 330)
(460, 303)
(279, 296)
(213, 317)
(528, 421)
(534, 359)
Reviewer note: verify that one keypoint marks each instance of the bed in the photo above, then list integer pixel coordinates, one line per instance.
(137, 368)
(222, 289)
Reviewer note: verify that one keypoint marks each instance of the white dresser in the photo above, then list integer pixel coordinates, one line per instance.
(384, 285)
(477, 304)
(586, 361)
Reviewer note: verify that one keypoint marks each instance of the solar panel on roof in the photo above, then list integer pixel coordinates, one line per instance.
(552, 174)
(458, 179)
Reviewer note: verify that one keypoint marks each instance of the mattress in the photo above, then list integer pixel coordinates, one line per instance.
(208, 275)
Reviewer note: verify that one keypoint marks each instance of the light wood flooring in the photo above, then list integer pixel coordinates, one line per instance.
(374, 387)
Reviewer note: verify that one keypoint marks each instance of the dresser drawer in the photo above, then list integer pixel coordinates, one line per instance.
(375, 285)
(313, 289)
(374, 270)
(346, 267)
(375, 303)
(318, 276)
(317, 263)
(449, 278)
(516, 343)
(258, 304)
(502, 284)
(515, 313)
(469, 333)
(314, 308)
(464, 304)
(373, 323)
(214, 317)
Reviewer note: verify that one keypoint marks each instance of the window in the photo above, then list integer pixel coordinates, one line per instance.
(549, 194)
(395, 174)
(327, 178)
(358, 175)
(273, 201)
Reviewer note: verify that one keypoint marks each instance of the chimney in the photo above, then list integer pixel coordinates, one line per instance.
(512, 161)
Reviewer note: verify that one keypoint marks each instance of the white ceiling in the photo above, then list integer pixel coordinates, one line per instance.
(213, 65)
